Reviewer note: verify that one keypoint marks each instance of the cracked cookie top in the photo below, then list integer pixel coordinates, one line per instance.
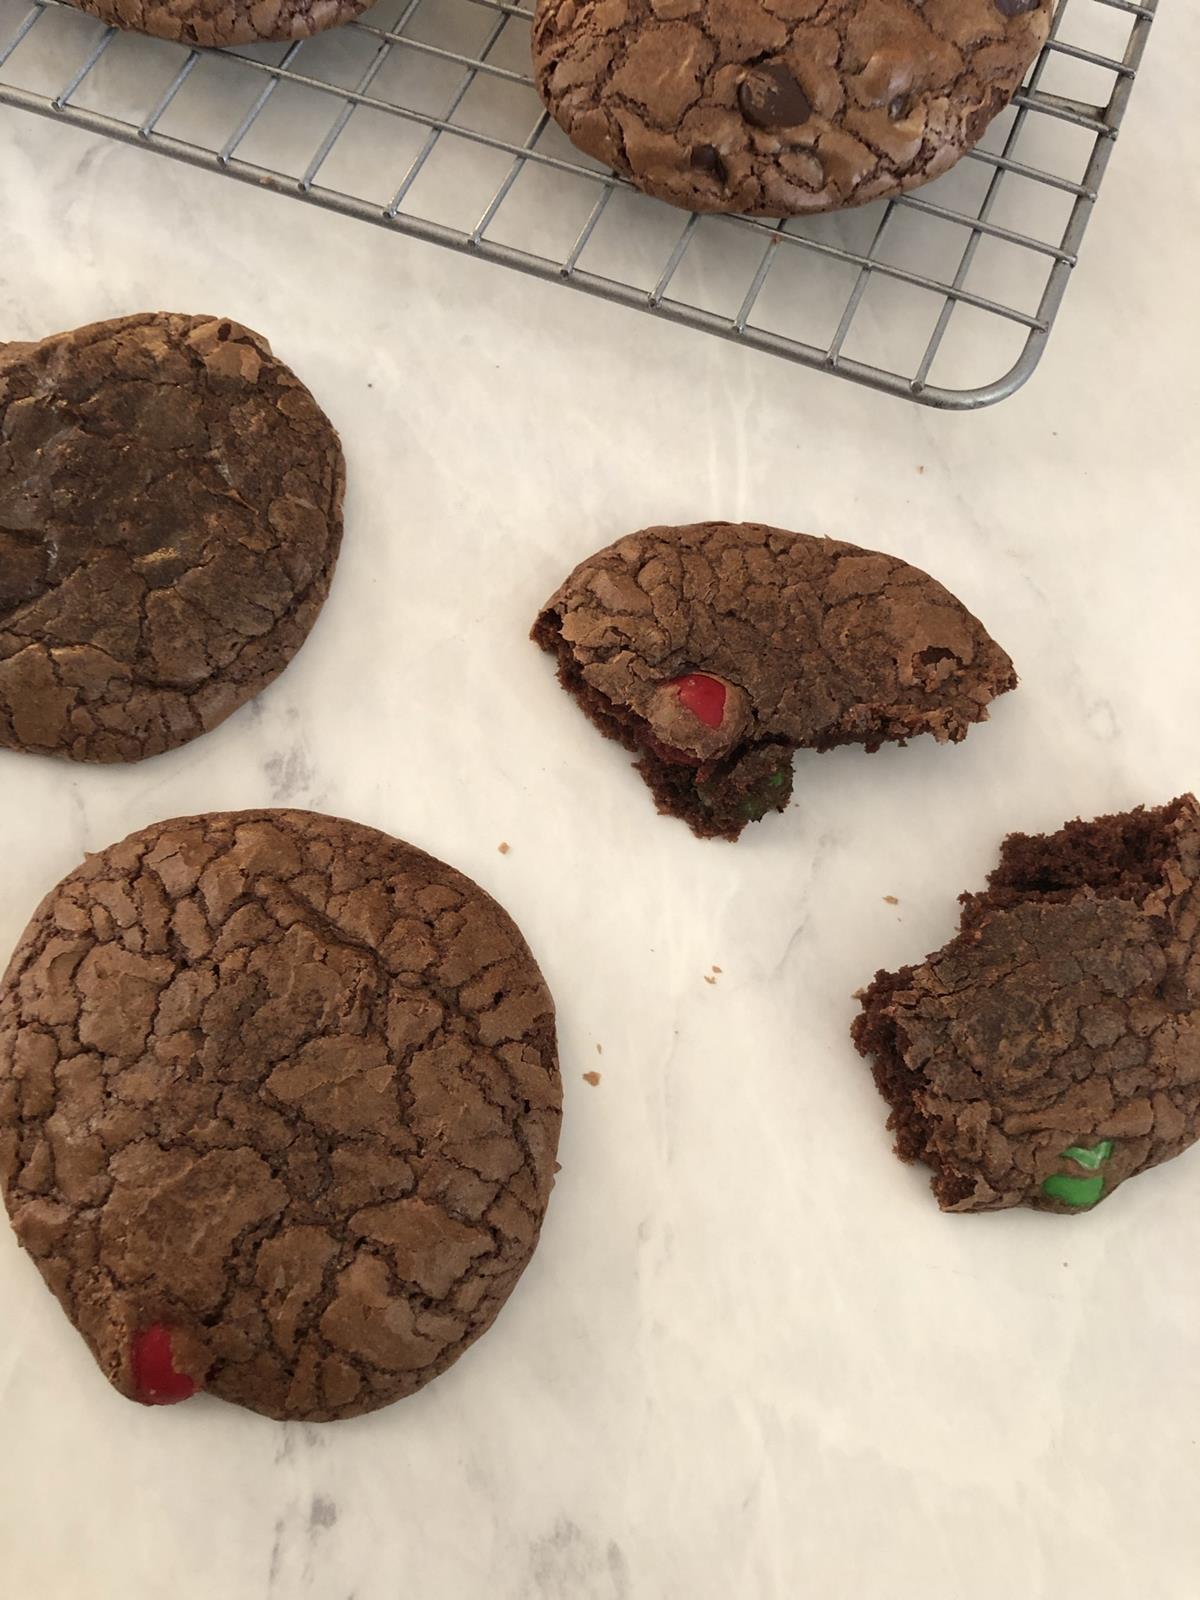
(170, 516)
(781, 107)
(220, 22)
(279, 1106)
(1052, 1049)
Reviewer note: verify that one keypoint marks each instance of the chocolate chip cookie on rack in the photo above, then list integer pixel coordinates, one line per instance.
(781, 107)
(222, 22)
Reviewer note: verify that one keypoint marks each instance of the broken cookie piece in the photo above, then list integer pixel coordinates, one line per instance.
(279, 1105)
(1052, 1049)
(170, 516)
(714, 651)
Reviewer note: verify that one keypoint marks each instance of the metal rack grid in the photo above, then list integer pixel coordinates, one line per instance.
(422, 117)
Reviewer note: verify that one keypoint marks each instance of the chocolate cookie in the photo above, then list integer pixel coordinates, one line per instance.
(279, 1103)
(781, 107)
(217, 22)
(170, 515)
(1052, 1049)
(716, 650)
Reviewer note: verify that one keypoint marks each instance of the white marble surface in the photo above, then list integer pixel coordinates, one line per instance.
(750, 1359)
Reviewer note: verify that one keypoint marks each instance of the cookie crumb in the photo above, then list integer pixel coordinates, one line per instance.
(599, 1049)
(504, 847)
(890, 900)
(717, 969)
(920, 469)
(707, 979)
(591, 1077)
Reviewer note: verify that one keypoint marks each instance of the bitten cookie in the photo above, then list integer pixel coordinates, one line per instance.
(714, 651)
(279, 1104)
(781, 107)
(170, 516)
(1052, 1049)
(218, 22)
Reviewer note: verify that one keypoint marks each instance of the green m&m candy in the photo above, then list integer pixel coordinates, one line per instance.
(1073, 1189)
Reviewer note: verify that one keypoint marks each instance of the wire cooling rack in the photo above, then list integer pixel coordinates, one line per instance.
(422, 117)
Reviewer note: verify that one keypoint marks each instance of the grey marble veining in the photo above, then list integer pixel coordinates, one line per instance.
(750, 1358)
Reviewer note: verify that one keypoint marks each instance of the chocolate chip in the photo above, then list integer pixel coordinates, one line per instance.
(770, 97)
(706, 158)
(1016, 8)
